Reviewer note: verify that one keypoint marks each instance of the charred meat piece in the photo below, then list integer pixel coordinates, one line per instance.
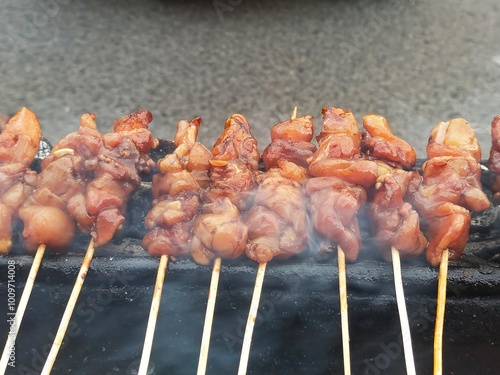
(176, 193)
(19, 142)
(117, 169)
(449, 187)
(59, 199)
(494, 159)
(219, 230)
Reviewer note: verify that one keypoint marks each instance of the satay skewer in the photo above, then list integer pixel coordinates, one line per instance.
(153, 315)
(209, 317)
(441, 302)
(403, 315)
(21, 308)
(61, 332)
(252, 317)
(254, 306)
(343, 310)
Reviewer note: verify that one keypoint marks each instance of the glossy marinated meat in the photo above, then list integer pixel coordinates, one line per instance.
(340, 175)
(454, 138)
(236, 142)
(219, 230)
(395, 222)
(494, 158)
(176, 193)
(339, 154)
(49, 214)
(277, 221)
(291, 141)
(19, 142)
(379, 142)
(117, 170)
(334, 206)
(450, 186)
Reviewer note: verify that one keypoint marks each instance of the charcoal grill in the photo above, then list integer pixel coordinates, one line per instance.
(298, 329)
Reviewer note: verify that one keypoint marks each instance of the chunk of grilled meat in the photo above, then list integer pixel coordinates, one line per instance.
(380, 143)
(291, 141)
(454, 138)
(117, 170)
(339, 154)
(341, 174)
(334, 208)
(219, 230)
(176, 193)
(19, 142)
(494, 158)
(449, 187)
(237, 142)
(277, 222)
(395, 222)
(60, 190)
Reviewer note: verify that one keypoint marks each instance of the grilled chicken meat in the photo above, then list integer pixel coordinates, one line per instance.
(117, 170)
(49, 214)
(219, 230)
(449, 188)
(395, 222)
(380, 143)
(291, 141)
(339, 153)
(277, 222)
(334, 213)
(494, 159)
(337, 192)
(176, 193)
(19, 142)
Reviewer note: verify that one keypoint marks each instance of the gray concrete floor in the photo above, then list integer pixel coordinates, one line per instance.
(416, 62)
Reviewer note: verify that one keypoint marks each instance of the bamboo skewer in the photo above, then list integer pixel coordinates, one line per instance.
(21, 308)
(441, 302)
(61, 332)
(209, 317)
(254, 306)
(403, 315)
(252, 317)
(153, 315)
(343, 310)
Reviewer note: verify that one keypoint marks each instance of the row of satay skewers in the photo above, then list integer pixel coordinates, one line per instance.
(213, 204)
